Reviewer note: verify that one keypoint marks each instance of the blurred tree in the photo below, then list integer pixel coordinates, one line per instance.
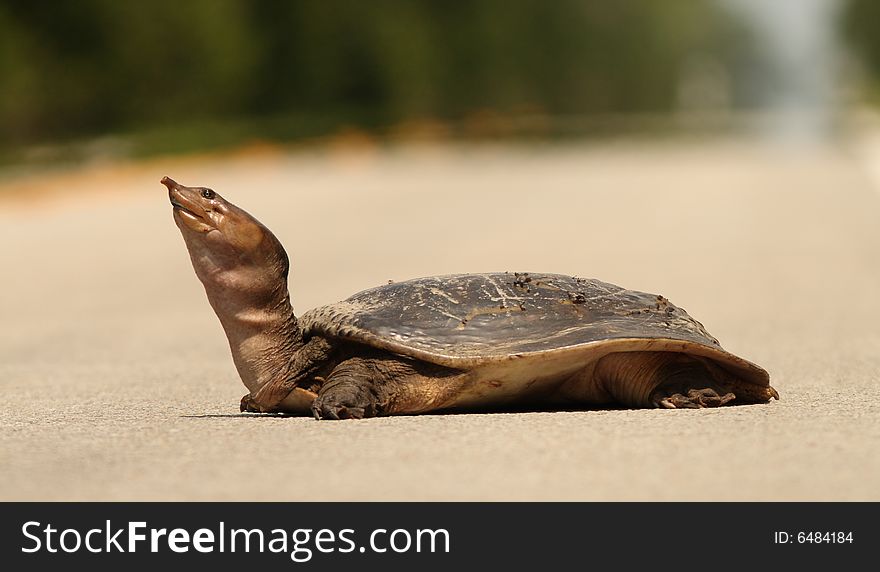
(102, 66)
(860, 23)
(96, 65)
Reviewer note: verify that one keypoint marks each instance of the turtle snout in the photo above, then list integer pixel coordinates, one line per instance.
(169, 183)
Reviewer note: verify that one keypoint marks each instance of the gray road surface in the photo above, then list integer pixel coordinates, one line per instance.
(118, 383)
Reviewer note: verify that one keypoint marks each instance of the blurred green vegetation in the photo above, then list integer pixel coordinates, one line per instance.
(186, 74)
(279, 70)
(861, 23)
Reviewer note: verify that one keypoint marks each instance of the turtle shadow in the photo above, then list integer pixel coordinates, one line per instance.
(501, 410)
(235, 415)
(454, 412)
(450, 412)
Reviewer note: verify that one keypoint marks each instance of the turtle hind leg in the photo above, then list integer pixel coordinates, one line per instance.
(685, 383)
(745, 392)
(385, 384)
(661, 379)
(693, 399)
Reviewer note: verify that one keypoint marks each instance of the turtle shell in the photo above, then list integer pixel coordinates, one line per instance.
(470, 320)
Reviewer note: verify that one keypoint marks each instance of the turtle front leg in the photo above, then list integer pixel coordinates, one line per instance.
(352, 391)
(378, 385)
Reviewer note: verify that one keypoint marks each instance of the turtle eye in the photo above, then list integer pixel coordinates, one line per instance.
(208, 193)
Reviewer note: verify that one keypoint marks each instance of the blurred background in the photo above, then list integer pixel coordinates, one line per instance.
(103, 78)
(722, 153)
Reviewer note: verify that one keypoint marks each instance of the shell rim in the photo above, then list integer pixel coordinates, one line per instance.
(743, 368)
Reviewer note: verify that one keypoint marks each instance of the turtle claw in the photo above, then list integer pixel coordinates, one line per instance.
(337, 411)
(677, 401)
(248, 405)
(341, 412)
(695, 399)
(710, 398)
(329, 406)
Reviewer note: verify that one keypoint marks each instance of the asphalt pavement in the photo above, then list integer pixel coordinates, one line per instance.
(119, 384)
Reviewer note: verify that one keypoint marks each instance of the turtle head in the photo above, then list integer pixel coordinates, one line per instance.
(243, 268)
(230, 250)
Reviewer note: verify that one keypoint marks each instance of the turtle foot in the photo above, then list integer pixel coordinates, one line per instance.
(328, 407)
(344, 401)
(248, 405)
(695, 399)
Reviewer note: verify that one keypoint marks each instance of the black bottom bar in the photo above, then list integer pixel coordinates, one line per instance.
(398, 536)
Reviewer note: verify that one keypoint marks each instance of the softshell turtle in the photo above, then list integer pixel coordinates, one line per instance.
(458, 342)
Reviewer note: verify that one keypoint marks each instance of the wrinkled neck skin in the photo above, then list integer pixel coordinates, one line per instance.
(262, 331)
